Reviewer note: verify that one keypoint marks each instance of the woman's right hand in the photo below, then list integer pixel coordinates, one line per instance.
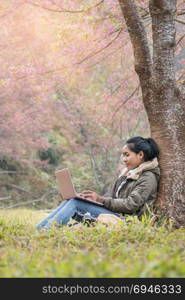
(92, 195)
(88, 194)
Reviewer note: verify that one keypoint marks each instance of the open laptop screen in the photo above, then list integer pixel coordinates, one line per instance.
(66, 187)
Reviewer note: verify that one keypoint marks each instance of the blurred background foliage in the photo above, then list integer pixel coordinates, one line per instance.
(69, 95)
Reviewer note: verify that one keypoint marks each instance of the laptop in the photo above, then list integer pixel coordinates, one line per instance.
(66, 187)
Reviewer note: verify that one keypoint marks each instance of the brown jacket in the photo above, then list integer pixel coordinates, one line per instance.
(132, 194)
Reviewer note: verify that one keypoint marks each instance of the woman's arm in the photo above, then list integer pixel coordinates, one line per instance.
(145, 186)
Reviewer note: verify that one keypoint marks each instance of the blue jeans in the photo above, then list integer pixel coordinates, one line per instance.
(67, 209)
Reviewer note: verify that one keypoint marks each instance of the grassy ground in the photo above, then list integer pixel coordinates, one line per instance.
(136, 249)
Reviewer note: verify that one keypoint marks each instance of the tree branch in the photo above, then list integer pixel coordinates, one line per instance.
(181, 38)
(180, 12)
(63, 9)
(5, 198)
(100, 50)
(105, 57)
(180, 21)
(138, 36)
(31, 201)
(124, 102)
(8, 172)
(19, 188)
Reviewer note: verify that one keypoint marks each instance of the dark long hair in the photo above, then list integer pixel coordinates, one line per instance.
(147, 145)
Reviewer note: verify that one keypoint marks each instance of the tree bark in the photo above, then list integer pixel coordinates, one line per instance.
(163, 101)
(169, 130)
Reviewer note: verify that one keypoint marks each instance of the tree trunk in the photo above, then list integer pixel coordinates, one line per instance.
(162, 99)
(168, 125)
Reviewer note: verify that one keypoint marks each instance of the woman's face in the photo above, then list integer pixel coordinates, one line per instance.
(131, 159)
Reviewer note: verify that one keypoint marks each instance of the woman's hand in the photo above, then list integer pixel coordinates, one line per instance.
(90, 194)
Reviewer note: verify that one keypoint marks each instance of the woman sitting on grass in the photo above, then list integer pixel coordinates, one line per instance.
(134, 190)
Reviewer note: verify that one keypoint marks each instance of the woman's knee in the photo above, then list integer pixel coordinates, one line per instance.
(73, 201)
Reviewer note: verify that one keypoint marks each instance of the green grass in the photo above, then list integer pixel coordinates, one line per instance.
(136, 249)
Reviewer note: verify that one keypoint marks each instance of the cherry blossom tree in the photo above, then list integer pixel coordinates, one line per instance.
(48, 83)
(163, 96)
